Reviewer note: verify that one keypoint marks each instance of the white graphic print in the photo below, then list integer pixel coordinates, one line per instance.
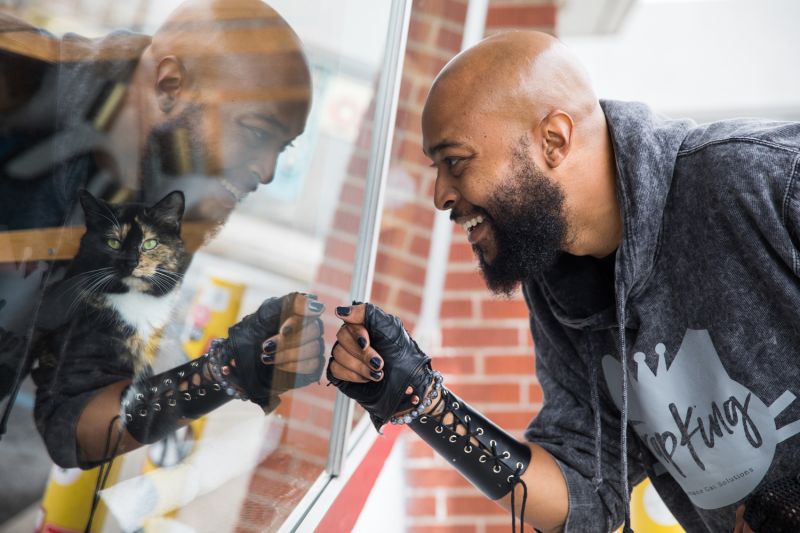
(713, 435)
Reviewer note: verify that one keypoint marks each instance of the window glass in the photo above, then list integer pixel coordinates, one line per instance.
(166, 168)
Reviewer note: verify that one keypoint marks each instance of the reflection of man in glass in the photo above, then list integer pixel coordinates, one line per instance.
(205, 107)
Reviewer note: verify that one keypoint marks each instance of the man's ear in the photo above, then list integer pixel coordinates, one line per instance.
(170, 81)
(556, 134)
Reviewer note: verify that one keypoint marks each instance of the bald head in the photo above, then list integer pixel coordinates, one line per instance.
(521, 74)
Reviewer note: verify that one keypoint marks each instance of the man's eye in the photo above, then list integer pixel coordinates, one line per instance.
(114, 244)
(149, 244)
(451, 161)
(257, 134)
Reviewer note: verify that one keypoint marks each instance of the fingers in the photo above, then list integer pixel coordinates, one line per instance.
(303, 359)
(357, 355)
(294, 331)
(305, 305)
(340, 372)
(351, 314)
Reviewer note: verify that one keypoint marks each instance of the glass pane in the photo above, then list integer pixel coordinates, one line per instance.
(113, 285)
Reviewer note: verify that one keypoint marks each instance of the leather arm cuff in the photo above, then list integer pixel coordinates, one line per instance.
(493, 465)
(154, 407)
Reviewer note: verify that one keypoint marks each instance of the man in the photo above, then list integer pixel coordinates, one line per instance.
(205, 107)
(659, 260)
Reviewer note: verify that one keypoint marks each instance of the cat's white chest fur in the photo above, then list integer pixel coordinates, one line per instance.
(143, 312)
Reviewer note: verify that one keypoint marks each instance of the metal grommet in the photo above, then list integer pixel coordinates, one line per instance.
(480, 431)
(493, 443)
(167, 381)
(201, 392)
(423, 420)
(216, 386)
(467, 418)
(172, 402)
(482, 459)
(154, 389)
(194, 364)
(510, 478)
(519, 465)
(187, 396)
(439, 429)
(156, 407)
(455, 405)
(453, 438)
(142, 412)
(140, 396)
(128, 417)
(506, 455)
(467, 449)
(496, 469)
(181, 373)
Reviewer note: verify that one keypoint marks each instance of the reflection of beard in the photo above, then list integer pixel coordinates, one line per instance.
(529, 226)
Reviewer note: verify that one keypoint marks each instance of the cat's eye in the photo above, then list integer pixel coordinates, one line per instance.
(114, 244)
(149, 244)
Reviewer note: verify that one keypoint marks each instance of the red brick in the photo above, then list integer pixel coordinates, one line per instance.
(352, 194)
(421, 506)
(535, 394)
(380, 293)
(409, 119)
(435, 477)
(421, 216)
(392, 235)
(510, 420)
(515, 308)
(487, 393)
(443, 529)
(419, 29)
(423, 62)
(521, 365)
(270, 488)
(329, 275)
(340, 249)
(409, 301)
(460, 308)
(412, 152)
(420, 246)
(347, 222)
(399, 268)
(521, 16)
(479, 336)
(358, 166)
(455, 10)
(418, 449)
(449, 40)
(257, 512)
(472, 505)
(459, 281)
(451, 365)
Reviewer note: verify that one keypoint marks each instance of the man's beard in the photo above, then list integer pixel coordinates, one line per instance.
(528, 225)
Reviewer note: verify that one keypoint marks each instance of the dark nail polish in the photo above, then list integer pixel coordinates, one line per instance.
(343, 310)
(375, 362)
(376, 374)
(311, 296)
(267, 358)
(269, 347)
(362, 342)
(315, 306)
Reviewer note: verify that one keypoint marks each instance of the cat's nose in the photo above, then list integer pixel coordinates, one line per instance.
(131, 262)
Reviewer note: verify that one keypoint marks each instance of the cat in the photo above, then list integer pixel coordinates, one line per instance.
(123, 280)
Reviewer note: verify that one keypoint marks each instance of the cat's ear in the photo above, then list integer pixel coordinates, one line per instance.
(169, 210)
(96, 212)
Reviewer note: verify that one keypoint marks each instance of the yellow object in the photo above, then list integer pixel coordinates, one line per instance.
(67, 500)
(648, 512)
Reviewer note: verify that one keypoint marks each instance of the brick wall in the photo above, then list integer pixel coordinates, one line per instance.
(486, 351)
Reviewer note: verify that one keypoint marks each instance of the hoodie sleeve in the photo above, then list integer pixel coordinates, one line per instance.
(588, 454)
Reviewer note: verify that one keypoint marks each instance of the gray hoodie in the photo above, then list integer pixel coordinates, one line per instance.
(706, 284)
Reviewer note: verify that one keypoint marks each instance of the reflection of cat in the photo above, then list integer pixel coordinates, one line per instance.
(122, 282)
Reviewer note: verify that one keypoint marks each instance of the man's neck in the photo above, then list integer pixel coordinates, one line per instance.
(596, 216)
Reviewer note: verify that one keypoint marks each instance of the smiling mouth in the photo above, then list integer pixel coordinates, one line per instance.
(472, 223)
(237, 193)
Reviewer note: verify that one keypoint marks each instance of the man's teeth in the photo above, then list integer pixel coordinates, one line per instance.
(471, 223)
(237, 193)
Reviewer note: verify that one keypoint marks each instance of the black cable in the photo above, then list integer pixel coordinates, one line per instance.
(104, 470)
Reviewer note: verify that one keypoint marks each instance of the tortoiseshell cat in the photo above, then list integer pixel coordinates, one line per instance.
(122, 283)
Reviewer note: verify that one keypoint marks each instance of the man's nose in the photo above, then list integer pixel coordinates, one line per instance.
(445, 195)
(264, 166)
